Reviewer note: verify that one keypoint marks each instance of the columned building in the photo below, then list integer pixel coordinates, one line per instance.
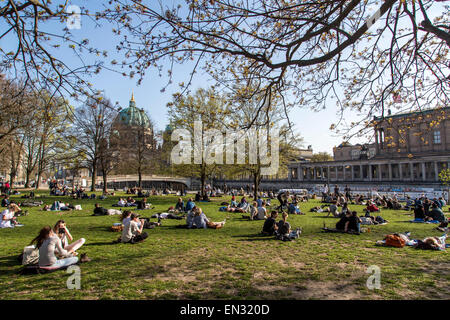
(409, 148)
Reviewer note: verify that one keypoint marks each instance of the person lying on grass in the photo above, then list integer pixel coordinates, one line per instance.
(58, 206)
(61, 230)
(284, 231)
(200, 221)
(399, 240)
(48, 243)
(367, 219)
(241, 207)
(132, 231)
(270, 225)
(100, 211)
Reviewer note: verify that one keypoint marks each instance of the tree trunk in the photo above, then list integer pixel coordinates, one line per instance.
(12, 178)
(139, 177)
(94, 177)
(203, 178)
(256, 181)
(105, 182)
(38, 180)
(27, 179)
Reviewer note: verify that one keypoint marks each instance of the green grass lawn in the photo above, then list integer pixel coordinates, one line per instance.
(230, 263)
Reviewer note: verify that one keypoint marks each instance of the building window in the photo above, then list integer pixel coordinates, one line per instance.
(437, 137)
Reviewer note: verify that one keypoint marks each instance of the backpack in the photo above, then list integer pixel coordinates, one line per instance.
(394, 240)
(30, 256)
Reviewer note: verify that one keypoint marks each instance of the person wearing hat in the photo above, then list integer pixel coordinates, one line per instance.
(132, 231)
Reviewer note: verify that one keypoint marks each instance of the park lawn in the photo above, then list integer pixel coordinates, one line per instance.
(235, 262)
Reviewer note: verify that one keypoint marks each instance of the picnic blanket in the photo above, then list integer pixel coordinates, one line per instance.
(423, 221)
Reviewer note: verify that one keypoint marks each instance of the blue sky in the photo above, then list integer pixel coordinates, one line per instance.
(312, 126)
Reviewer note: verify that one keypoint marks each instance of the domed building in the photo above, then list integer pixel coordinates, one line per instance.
(132, 130)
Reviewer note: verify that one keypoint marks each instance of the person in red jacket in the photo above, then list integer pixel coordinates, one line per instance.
(371, 207)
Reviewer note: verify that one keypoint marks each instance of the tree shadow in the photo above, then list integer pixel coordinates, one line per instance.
(95, 244)
(254, 237)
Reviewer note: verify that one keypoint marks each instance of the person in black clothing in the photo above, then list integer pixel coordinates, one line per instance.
(419, 212)
(270, 225)
(100, 211)
(5, 201)
(141, 204)
(354, 223)
(348, 195)
(426, 206)
(336, 191)
(283, 199)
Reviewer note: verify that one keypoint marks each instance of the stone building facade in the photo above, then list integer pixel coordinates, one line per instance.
(409, 148)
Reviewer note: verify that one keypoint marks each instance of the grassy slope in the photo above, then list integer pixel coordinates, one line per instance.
(230, 263)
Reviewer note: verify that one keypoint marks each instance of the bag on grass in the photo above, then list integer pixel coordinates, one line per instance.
(394, 240)
(117, 228)
(30, 255)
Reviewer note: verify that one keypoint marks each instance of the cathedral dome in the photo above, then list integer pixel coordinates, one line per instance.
(132, 116)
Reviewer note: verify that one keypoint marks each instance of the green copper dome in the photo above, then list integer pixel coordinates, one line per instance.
(132, 116)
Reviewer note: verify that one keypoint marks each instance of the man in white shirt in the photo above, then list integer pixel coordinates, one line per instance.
(132, 231)
(261, 215)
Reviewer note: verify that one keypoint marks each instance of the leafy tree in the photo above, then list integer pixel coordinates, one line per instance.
(321, 157)
(208, 107)
(444, 177)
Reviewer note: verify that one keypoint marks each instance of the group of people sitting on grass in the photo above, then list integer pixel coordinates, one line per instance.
(435, 214)
(281, 230)
(51, 249)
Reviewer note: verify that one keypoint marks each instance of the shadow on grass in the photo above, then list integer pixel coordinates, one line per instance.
(324, 217)
(254, 237)
(95, 244)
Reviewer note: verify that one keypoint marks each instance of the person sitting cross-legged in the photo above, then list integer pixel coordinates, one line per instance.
(436, 213)
(179, 207)
(132, 231)
(61, 230)
(284, 231)
(48, 243)
(270, 225)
